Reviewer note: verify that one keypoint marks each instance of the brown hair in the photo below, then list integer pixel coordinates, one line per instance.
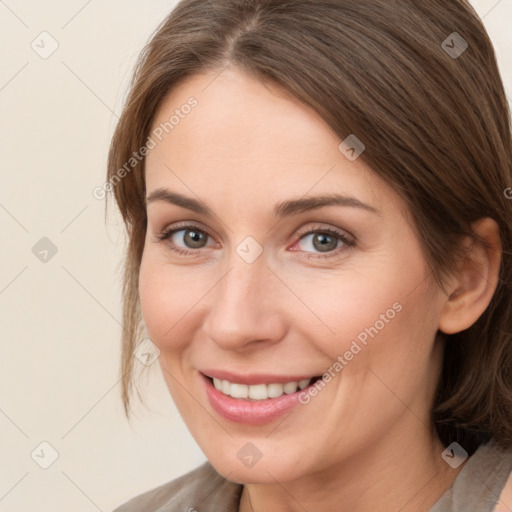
(436, 127)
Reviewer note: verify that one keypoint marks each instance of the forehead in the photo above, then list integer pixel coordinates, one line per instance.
(251, 137)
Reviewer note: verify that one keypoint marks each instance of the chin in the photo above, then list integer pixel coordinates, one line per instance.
(242, 462)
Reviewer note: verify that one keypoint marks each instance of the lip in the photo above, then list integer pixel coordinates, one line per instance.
(250, 412)
(254, 379)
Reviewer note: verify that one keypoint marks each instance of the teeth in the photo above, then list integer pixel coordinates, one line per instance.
(226, 387)
(290, 387)
(259, 391)
(275, 390)
(304, 383)
(239, 391)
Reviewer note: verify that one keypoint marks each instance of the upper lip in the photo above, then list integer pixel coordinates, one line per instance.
(255, 378)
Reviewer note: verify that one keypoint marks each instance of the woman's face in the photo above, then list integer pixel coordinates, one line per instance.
(263, 285)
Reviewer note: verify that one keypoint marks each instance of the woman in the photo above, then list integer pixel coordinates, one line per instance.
(315, 194)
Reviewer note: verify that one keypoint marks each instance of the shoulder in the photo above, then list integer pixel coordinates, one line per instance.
(202, 488)
(505, 498)
(483, 485)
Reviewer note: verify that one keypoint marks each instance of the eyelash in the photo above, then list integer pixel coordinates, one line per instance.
(348, 243)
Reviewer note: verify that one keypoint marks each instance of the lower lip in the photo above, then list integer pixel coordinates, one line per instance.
(247, 411)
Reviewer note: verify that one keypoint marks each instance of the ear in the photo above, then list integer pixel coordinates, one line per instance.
(474, 285)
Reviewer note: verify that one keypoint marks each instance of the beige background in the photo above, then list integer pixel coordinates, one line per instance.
(59, 364)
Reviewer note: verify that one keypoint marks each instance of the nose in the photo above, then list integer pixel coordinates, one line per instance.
(245, 311)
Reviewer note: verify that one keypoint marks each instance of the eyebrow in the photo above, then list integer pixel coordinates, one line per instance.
(283, 209)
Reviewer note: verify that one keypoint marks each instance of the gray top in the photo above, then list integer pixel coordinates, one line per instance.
(480, 483)
(477, 488)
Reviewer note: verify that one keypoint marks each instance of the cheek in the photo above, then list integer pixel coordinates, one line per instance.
(376, 314)
(169, 299)
(389, 350)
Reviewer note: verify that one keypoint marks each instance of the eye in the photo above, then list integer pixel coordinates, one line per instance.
(327, 241)
(184, 239)
(189, 239)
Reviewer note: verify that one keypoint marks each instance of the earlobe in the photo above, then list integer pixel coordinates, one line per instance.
(476, 280)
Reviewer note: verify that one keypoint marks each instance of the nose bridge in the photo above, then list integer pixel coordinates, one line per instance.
(242, 311)
(240, 284)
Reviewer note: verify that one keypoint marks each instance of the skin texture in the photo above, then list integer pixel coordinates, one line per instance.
(364, 443)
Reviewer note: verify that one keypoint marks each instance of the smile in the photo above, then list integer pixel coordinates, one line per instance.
(259, 391)
(254, 400)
